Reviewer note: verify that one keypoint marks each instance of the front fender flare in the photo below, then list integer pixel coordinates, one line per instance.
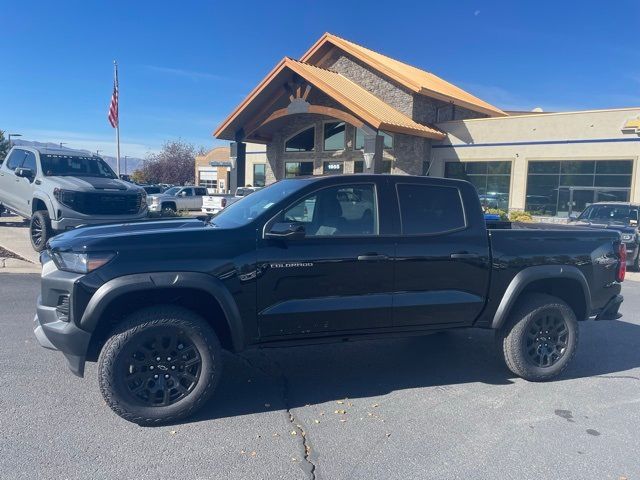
(531, 274)
(139, 282)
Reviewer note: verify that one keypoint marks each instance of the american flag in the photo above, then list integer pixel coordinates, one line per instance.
(113, 108)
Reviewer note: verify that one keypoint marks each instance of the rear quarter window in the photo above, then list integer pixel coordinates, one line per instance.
(430, 209)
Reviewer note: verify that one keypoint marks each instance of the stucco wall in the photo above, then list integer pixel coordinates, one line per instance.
(518, 138)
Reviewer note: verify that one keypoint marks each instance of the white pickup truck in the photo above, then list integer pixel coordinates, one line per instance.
(213, 204)
(177, 199)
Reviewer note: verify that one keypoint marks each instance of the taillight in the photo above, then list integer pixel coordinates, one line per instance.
(622, 262)
(223, 202)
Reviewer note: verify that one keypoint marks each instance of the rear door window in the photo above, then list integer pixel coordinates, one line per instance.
(201, 191)
(430, 209)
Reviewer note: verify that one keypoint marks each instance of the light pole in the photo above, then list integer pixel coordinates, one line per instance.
(13, 135)
(98, 153)
(62, 143)
(125, 164)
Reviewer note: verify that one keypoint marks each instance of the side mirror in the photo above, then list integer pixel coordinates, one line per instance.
(284, 230)
(573, 217)
(25, 173)
(183, 194)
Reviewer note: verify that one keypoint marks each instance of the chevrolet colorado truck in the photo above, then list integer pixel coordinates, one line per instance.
(313, 260)
(60, 189)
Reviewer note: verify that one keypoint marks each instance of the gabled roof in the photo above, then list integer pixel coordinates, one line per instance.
(356, 99)
(413, 78)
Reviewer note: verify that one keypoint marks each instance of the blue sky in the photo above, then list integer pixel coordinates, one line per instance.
(185, 65)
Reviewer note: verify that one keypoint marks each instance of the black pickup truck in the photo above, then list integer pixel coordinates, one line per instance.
(312, 260)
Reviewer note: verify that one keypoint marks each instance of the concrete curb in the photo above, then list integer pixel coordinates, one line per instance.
(14, 265)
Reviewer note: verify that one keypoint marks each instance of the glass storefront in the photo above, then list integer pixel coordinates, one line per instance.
(561, 188)
(358, 166)
(491, 179)
(259, 174)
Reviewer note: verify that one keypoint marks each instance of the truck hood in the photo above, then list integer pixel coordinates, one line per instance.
(92, 183)
(84, 238)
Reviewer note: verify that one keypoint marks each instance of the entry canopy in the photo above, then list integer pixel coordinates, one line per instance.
(277, 96)
(286, 90)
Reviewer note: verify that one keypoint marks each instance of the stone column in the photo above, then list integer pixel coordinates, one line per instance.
(239, 151)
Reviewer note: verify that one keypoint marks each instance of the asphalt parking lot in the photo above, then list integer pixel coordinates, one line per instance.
(441, 406)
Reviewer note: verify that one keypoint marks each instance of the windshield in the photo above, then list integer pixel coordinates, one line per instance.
(172, 191)
(250, 207)
(75, 166)
(611, 213)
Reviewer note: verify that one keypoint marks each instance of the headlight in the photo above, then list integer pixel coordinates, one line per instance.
(68, 198)
(627, 237)
(155, 201)
(81, 262)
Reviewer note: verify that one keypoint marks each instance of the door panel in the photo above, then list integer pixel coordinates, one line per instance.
(338, 278)
(442, 260)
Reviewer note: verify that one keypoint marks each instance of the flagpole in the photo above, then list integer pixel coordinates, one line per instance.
(115, 73)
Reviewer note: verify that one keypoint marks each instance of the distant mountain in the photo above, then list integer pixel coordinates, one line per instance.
(132, 163)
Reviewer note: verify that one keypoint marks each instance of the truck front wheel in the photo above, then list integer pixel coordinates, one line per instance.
(160, 365)
(540, 337)
(40, 230)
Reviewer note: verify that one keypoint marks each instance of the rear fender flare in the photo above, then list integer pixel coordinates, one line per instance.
(532, 274)
(115, 288)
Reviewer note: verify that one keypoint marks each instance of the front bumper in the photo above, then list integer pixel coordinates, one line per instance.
(53, 329)
(69, 222)
(632, 253)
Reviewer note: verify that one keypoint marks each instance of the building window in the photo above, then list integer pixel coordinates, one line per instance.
(359, 143)
(208, 184)
(334, 136)
(332, 168)
(491, 180)
(259, 174)
(565, 187)
(298, 169)
(358, 166)
(303, 141)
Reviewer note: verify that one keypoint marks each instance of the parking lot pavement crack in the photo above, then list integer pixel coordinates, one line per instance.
(308, 454)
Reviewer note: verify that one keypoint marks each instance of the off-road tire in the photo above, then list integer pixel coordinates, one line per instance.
(168, 209)
(40, 230)
(512, 338)
(146, 322)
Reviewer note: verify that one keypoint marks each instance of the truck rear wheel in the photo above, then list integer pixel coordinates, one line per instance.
(540, 337)
(40, 230)
(160, 365)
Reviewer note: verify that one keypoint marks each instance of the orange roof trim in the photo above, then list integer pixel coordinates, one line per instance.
(356, 99)
(413, 78)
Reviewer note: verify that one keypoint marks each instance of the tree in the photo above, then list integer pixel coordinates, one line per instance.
(4, 146)
(174, 164)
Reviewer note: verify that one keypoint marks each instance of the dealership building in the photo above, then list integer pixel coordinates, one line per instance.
(342, 108)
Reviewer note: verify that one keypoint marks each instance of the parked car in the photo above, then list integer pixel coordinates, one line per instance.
(62, 189)
(213, 204)
(311, 260)
(618, 216)
(177, 199)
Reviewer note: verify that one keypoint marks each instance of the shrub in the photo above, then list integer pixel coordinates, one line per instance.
(520, 216)
(496, 211)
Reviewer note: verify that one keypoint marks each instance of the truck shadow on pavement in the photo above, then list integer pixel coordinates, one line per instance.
(284, 378)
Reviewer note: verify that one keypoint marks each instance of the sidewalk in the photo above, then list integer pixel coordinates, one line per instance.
(16, 254)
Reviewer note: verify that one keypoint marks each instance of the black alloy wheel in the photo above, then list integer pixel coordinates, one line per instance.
(159, 365)
(162, 367)
(547, 340)
(39, 230)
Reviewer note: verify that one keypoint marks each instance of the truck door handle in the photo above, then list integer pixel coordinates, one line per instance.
(464, 256)
(372, 257)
